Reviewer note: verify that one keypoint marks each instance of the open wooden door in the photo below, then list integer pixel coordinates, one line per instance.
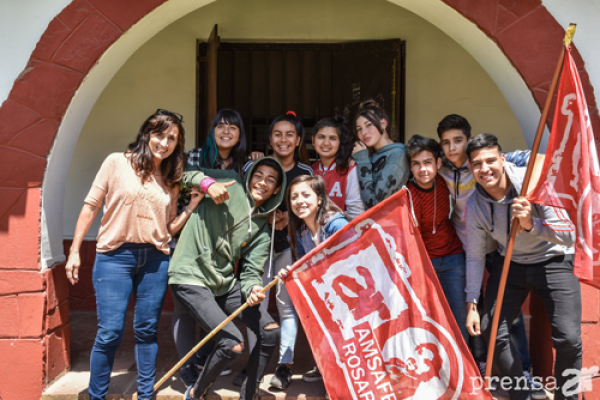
(371, 69)
(316, 80)
(206, 88)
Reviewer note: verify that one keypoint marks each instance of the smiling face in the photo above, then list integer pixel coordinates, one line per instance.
(162, 144)
(263, 184)
(226, 136)
(487, 166)
(454, 143)
(369, 134)
(284, 139)
(304, 201)
(327, 144)
(424, 168)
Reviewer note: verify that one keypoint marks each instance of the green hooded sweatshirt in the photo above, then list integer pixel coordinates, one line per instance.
(216, 236)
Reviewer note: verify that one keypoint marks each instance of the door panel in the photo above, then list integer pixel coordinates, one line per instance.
(370, 70)
(316, 80)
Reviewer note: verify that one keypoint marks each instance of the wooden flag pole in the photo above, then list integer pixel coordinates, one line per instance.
(515, 221)
(206, 339)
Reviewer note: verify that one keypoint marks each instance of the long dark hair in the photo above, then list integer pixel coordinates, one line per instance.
(317, 184)
(210, 154)
(371, 111)
(342, 157)
(142, 161)
(300, 152)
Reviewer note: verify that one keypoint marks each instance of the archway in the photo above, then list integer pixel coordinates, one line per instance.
(87, 42)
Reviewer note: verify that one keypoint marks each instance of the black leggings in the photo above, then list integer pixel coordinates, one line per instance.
(209, 311)
(553, 281)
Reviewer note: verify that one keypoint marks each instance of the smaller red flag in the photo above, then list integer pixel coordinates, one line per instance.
(570, 177)
(375, 314)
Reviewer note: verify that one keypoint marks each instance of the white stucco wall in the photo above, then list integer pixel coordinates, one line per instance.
(23, 22)
(586, 14)
(441, 77)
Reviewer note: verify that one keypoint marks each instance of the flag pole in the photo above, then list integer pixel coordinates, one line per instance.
(569, 33)
(206, 339)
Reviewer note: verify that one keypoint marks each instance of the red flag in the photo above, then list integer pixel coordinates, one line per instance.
(570, 177)
(375, 314)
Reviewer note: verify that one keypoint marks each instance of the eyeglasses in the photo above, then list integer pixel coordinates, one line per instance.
(168, 113)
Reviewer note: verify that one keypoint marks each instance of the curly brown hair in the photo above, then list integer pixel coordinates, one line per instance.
(142, 161)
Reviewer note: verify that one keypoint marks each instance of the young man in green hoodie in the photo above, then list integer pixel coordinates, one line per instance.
(202, 273)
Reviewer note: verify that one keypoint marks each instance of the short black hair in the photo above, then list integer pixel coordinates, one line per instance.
(454, 121)
(273, 164)
(481, 141)
(418, 143)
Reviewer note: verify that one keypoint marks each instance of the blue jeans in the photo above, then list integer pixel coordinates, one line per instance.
(450, 271)
(287, 313)
(288, 318)
(140, 269)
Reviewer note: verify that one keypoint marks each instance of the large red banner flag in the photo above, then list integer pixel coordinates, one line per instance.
(570, 177)
(375, 314)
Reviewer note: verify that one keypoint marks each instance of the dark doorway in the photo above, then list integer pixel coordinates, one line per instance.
(316, 80)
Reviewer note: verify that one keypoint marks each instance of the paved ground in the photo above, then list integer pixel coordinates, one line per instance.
(73, 385)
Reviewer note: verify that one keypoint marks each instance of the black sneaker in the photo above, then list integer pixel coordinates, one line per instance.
(239, 379)
(313, 375)
(282, 378)
(188, 375)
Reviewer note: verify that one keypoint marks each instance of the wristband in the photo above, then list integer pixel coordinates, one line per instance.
(205, 184)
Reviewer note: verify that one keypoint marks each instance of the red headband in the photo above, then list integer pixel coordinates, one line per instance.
(291, 113)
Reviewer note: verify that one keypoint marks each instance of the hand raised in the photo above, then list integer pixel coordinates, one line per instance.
(358, 146)
(218, 191)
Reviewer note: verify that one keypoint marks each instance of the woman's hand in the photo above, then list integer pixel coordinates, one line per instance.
(256, 155)
(284, 272)
(358, 146)
(84, 222)
(256, 296)
(72, 267)
(281, 220)
(196, 198)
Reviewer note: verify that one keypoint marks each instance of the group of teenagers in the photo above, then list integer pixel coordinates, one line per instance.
(217, 224)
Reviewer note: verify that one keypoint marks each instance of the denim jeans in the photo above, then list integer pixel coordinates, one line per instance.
(288, 318)
(450, 271)
(518, 336)
(553, 281)
(209, 311)
(140, 269)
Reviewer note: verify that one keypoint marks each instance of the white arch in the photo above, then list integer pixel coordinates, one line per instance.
(464, 32)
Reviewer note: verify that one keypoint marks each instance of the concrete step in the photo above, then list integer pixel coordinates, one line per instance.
(73, 385)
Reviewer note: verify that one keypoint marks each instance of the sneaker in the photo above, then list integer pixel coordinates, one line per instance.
(535, 389)
(282, 378)
(239, 379)
(313, 375)
(188, 375)
(227, 371)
